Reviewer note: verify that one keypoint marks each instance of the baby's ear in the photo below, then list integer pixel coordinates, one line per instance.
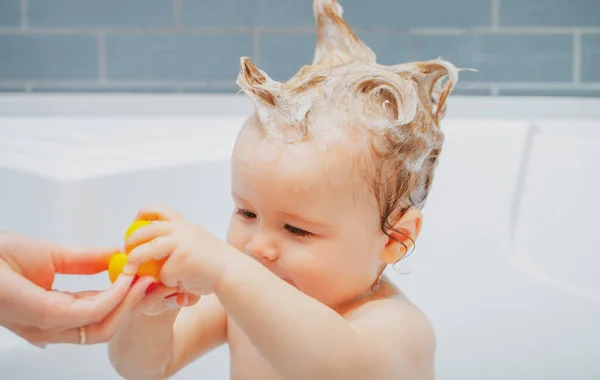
(402, 236)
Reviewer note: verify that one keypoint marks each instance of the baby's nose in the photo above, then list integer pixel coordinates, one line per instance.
(260, 247)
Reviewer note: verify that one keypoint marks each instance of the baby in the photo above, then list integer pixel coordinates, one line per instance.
(329, 176)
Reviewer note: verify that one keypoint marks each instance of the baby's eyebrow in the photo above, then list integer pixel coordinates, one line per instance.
(238, 198)
(304, 220)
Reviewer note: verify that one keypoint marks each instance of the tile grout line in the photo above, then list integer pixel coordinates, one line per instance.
(141, 84)
(102, 57)
(24, 14)
(177, 13)
(577, 56)
(130, 31)
(295, 30)
(495, 14)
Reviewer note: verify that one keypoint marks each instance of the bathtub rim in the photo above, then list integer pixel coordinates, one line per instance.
(509, 107)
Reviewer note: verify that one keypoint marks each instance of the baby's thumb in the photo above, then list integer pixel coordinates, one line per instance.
(154, 301)
(187, 299)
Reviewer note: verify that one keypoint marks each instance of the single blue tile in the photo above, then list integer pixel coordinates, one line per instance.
(176, 57)
(10, 13)
(390, 48)
(222, 13)
(247, 13)
(590, 58)
(414, 14)
(574, 92)
(48, 57)
(282, 55)
(550, 13)
(105, 13)
(503, 57)
(286, 13)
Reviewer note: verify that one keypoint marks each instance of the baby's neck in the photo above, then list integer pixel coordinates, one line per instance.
(371, 292)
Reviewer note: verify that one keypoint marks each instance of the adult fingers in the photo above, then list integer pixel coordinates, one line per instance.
(158, 212)
(25, 303)
(104, 331)
(64, 311)
(138, 301)
(80, 260)
(81, 294)
(96, 333)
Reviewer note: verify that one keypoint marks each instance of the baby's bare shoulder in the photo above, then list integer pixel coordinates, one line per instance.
(398, 331)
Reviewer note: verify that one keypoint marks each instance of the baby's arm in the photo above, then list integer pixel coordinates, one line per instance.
(303, 339)
(156, 347)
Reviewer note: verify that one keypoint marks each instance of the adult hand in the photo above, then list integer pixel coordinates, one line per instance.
(30, 308)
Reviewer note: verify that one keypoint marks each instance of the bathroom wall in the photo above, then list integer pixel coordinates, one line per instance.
(519, 47)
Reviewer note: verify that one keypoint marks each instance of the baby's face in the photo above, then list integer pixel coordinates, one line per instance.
(305, 216)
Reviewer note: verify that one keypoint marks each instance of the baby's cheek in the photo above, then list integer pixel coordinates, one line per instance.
(236, 236)
(310, 272)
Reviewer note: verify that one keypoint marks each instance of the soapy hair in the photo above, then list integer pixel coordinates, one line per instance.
(400, 106)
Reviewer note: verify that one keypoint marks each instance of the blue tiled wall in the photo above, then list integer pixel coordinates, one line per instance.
(519, 47)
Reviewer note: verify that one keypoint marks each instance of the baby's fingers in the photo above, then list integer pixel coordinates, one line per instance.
(169, 302)
(155, 249)
(159, 213)
(147, 234)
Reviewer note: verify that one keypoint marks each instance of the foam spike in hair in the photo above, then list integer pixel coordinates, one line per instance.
(336, 42)
(279, 112)
(429, 75)
(257, 84)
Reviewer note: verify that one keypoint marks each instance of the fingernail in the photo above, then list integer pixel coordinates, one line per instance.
(135, 278)
(171, 303)
(185, 301)
(172, 295)
(152, 287)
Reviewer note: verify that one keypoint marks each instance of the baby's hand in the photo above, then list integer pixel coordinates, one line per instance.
(195, 258)
(160, 298)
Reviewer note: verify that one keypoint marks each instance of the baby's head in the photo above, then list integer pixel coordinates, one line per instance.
(330, 173)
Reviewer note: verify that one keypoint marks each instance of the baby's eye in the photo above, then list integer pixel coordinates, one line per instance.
(246, 214)
(296, 231)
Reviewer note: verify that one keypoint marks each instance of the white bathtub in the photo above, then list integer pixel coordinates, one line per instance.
(506, 267)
